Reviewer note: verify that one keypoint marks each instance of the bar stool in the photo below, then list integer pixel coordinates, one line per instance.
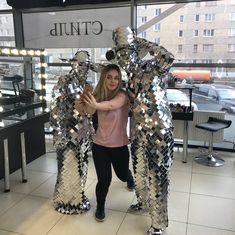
(212, 125)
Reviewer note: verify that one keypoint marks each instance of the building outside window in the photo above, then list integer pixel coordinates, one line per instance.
(208, 32)
(144, 34)
(180, 33)
(231, 47)
(158, 11)
(210, 17)
(157, 27)
(181, 18)
(197, 17)
(207, 61)
(208, 47)
(210, 3)
(195, 33)
(144, 19)
(180, 48)
(157, 40)
(231, 32)
(232, 16)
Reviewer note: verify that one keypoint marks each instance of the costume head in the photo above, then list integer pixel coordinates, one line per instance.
(80, 63)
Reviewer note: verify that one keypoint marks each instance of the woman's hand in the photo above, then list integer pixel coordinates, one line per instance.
(90, 100)
(85, 104)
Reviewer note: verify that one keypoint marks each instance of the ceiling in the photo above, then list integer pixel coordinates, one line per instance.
(26, 4)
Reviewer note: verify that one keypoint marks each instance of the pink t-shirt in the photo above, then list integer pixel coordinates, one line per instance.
(112, 126)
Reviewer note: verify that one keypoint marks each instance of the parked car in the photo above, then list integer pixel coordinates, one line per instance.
(215, 97)
(177, 97)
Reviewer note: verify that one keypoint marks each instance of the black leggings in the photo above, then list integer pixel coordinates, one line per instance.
(104, 157)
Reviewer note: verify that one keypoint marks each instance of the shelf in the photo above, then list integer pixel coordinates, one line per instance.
(182, 116)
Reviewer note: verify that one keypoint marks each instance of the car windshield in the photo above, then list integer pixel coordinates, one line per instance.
(227, 94)
(176, 96)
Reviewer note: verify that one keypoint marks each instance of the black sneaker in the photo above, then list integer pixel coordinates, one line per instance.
(99, 214)
(154, 231)
(130, 184)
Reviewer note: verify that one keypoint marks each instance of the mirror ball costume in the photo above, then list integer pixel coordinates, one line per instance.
(72, 136)
(151, 131)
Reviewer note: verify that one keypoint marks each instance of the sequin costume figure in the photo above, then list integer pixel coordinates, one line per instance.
(72, 134)
(152, 136)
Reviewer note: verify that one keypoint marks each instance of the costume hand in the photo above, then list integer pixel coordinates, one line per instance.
(79, 105)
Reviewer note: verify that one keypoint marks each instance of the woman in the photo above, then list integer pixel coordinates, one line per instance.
(111, 140)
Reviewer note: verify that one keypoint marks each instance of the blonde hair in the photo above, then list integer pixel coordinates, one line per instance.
(101, 93)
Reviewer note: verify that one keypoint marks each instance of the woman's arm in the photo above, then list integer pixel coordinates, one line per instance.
(117, 102)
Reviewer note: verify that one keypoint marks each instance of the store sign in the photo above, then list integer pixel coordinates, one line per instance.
(74, 29)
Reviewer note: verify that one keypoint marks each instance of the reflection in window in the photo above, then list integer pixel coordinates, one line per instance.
(4, 5)
(3, 19)
(212, 93)
(7, 30)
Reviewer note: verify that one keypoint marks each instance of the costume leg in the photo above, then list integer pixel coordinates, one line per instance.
(160, 157)
(140, 169)
(69, 195)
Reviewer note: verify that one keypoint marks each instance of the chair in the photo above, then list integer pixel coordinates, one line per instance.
(212, 125)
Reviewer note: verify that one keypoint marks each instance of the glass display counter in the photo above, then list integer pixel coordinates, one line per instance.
(182, 111)
(22, 110)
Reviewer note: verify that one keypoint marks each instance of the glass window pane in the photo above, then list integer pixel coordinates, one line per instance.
(7, 36)
(4, 5)
(192, 43)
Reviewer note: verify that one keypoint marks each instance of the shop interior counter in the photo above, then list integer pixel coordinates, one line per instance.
(22, 138)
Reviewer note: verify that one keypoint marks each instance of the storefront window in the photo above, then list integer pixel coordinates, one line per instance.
(211, 47)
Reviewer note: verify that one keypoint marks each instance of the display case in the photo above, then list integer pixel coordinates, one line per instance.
(23, 111)
(183, 109)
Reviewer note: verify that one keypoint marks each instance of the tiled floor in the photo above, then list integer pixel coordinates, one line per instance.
(202, 201)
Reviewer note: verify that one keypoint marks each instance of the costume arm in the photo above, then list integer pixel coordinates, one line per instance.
(161, 60)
